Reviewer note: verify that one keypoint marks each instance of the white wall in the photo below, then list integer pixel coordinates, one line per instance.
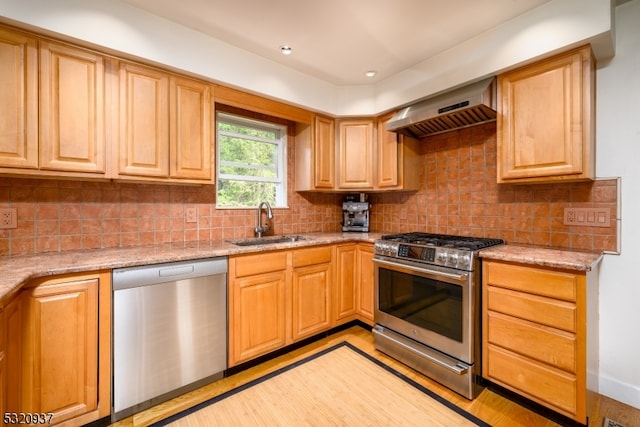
(618, 154)
(118, 26)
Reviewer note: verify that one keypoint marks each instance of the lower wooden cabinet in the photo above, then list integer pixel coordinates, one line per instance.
(257, 305)
(353, 290)
(365, 302)
(311, 291)
(345, 290)
(535, 334)
(3, 366)
(58, 357)
(277, 298)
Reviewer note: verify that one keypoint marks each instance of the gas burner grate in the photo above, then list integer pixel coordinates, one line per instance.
(428, 239)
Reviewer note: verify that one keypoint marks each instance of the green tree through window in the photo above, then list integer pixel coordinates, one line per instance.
(251, 162)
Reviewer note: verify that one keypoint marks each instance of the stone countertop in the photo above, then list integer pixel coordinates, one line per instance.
(17, 270)
(568, 259)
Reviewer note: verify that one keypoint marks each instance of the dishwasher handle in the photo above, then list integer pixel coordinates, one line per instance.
(176, 270)
(133, 277)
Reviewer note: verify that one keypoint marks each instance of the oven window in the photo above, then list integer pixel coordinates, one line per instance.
(427, 303)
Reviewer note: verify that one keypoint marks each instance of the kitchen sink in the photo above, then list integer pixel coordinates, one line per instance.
(266, 240)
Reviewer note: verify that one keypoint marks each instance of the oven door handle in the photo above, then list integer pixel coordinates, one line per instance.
(422, 272)
(460, 370)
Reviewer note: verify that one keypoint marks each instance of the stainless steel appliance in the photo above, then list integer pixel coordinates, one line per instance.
(169, 331)
(355, 216)
(459, 108)
(427, 314)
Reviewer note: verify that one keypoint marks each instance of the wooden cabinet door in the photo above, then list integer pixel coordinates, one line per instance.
(257, 316)
(355, 154)
(18, 100)
(144, 122)
(545, 120)
(72, 117)
(345, 289)
(191, 139)
(61, 345)
(388, 159)
(13, 354)
(324, 153)
(311, 304)
(366, 298)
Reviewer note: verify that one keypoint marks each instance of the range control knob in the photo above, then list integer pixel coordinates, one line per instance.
(453, 259)
(464, 260)
(442, 258)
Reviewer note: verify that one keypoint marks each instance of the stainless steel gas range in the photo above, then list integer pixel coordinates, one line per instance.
(427, 313)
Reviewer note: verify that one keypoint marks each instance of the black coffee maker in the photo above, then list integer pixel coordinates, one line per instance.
(355, 213)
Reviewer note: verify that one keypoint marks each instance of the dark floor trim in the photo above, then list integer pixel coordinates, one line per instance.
(418, 386)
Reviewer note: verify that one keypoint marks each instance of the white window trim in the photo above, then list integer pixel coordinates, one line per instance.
(281, 160)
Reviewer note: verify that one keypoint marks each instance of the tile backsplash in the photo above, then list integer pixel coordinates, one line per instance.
(458, 195)
(57, 215)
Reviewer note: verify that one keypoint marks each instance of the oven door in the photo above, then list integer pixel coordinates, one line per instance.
(429, 304)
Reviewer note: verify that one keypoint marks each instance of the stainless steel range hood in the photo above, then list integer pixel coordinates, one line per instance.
(466, 106)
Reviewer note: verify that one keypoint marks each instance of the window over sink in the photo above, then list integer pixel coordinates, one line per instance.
(252, 162)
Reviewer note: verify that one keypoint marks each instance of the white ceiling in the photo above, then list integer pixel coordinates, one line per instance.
(339, 40)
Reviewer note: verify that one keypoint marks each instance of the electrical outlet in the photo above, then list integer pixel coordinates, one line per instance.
(191, 215)
(8, 218)
(611, 423)
(588, 217)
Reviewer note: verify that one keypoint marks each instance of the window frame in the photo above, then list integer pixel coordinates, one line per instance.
(280, 143)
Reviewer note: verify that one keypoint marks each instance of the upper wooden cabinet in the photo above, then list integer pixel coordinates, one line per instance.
(72, 109)
(397, 159)
(355, 154)
(315, 155)
(71, 112)
(144, 122)
(546, 120)
(190, 138)
(18, 100)
(165, 125)
(324, 152)
(52, 104)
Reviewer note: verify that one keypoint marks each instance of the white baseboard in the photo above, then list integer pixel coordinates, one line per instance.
(620, 391)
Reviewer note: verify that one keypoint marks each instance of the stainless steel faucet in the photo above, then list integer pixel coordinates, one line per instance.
(260, 229)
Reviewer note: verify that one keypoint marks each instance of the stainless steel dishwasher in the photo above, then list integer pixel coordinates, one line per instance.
(169, 331)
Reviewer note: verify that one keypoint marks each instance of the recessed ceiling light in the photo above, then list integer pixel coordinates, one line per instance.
(370, 73)
(286, 50)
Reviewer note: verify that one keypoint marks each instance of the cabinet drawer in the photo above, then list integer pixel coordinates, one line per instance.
(546, 311)
(551, 283)
(310, 256)
(556, 348)
(264, 262)
(553, 388)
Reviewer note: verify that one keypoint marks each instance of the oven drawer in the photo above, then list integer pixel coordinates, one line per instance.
(538, 281)
(546, 311)
(551, 346)
(551, 387)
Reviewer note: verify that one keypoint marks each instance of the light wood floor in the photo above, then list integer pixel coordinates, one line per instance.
(488, 406)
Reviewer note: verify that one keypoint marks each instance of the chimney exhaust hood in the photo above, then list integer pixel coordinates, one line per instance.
(466, 106)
